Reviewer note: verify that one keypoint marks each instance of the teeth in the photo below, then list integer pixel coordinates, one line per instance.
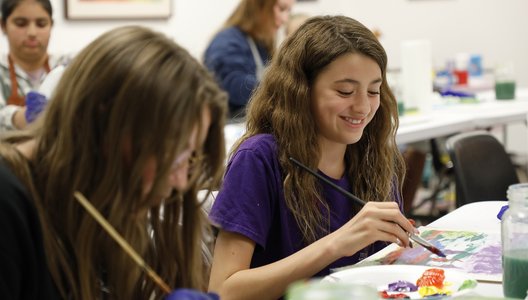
(353, 121)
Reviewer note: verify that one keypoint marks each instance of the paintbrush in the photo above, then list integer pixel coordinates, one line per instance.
(121, 241)
(416, 238)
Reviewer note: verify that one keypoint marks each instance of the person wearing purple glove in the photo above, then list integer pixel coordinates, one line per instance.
(35, 103)
(27, 26)
(135, 125)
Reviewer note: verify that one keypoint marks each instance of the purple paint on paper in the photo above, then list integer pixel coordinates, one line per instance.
(488, 261)
(471, 252)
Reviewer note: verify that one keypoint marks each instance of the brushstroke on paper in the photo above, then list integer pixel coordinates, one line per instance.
(475, 253)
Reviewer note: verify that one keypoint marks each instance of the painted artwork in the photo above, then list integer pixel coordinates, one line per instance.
(475, 253)
(117, 9)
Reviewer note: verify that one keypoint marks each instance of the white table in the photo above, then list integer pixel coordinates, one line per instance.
(479, 217)
(447, 119)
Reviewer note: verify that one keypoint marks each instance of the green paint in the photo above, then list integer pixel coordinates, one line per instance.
(468, 284)
(505, 90)
(515, 274)
(401, 108)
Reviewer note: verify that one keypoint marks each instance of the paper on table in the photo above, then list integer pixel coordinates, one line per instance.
(476, 253)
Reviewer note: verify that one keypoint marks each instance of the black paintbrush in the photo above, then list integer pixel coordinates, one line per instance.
(416, 238)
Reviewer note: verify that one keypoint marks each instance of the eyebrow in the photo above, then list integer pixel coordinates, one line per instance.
(26, 18)
(348, 80)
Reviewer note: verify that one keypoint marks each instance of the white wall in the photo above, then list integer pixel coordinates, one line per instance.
(497, 29)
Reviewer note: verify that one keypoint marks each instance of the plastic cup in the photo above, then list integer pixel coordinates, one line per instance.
(505, 81)
(325, 290)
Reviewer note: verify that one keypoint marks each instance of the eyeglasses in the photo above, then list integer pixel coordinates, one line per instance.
(192, 157)
(197, 158)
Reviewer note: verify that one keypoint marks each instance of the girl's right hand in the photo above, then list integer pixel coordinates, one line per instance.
(376, 221)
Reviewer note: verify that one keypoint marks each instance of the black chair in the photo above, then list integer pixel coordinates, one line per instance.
(483, 169)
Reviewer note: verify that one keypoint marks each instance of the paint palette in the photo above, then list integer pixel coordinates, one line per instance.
(381, 276)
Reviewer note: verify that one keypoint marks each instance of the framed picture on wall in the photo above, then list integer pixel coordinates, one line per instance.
(117, 9)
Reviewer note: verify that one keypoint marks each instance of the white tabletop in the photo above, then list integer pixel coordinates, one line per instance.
(450, 118)
(476, 216)
(479, 217)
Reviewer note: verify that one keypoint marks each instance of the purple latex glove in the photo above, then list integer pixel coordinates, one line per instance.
(188, 294)
(35, 103)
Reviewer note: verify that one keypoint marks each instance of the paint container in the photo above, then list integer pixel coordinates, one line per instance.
(417, 75)
(505, 81)
(515, 243)
(314, 289)
(461, 68)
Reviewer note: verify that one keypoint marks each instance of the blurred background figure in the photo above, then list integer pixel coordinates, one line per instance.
(27, 26)
(239, 52)
(294, 22)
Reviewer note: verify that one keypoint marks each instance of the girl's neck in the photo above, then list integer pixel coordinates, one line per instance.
(332, 161)
(29, 66)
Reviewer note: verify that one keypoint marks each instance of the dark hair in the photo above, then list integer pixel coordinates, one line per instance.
(8, 6)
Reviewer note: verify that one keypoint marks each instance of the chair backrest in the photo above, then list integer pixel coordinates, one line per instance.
(414, 164)
(483, 169)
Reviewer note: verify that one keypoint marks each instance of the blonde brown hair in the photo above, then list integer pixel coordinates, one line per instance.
(249, 15)
(281, 106)
(130, 95)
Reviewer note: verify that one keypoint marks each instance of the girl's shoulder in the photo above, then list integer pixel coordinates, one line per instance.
(230, 36)
(263, 141)
(232, 31)
(261, 147)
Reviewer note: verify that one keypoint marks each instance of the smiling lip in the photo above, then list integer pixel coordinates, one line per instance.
(354, 122)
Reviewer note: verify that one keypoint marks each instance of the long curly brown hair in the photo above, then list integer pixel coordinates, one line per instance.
(136, 89)
(281, 106)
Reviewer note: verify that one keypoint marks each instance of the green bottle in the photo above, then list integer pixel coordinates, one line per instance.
(514, 235)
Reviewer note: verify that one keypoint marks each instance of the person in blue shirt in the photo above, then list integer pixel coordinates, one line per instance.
(324, 101)
(239, 52)
(135, 124)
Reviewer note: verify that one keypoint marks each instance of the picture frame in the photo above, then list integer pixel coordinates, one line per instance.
(117, 9)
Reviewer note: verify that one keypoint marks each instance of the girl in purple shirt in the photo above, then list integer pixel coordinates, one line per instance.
(324, 101)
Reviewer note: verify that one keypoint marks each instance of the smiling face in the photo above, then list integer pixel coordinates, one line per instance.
(28, 30)
(345, 97)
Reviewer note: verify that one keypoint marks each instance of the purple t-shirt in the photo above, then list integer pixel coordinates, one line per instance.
(251, 203)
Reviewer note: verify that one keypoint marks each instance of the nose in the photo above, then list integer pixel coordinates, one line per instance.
(361, 103)
(32, 29)
(179, 173)
(284, 16)
(179, 177)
